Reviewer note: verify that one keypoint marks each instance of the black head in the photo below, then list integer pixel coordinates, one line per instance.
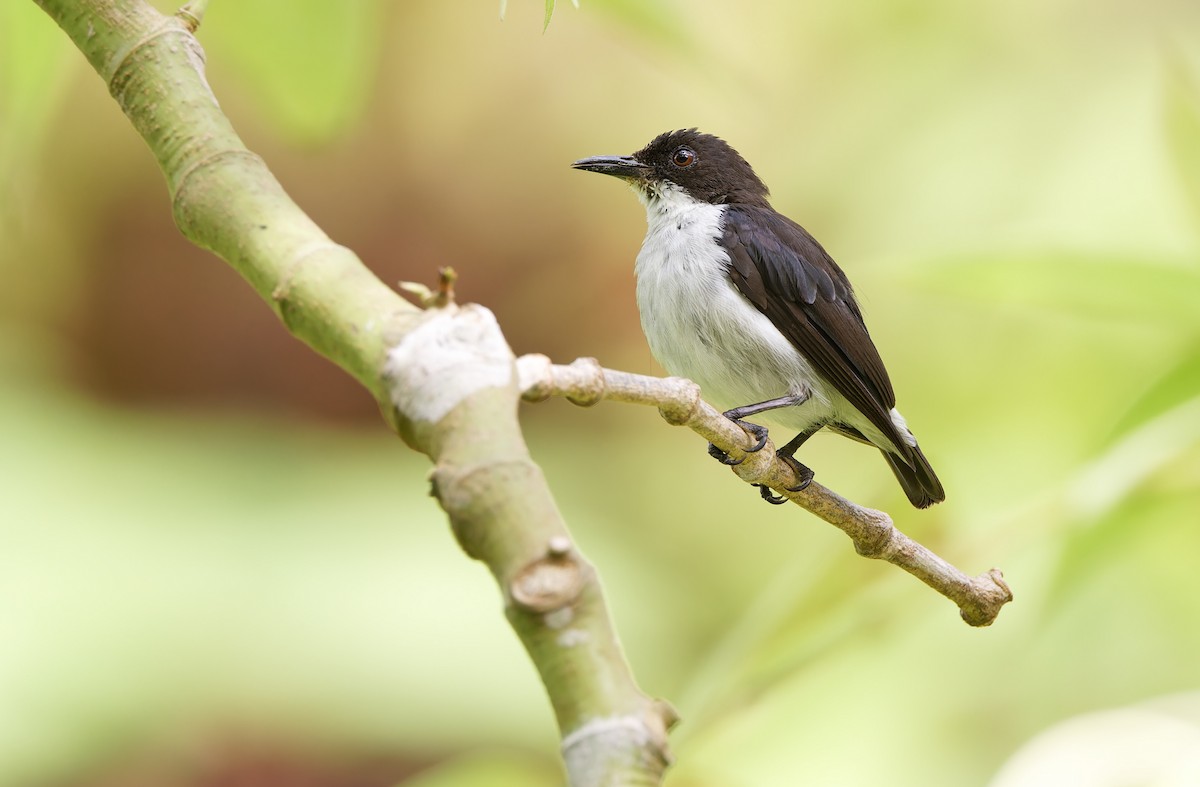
(703, 166)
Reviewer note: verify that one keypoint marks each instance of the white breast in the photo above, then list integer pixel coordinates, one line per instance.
(700, 327)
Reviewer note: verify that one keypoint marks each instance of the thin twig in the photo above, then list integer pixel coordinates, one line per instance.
(192, 14)
(427, 298)
(585, 382)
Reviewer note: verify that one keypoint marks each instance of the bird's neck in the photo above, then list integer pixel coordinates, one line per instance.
(668, 206)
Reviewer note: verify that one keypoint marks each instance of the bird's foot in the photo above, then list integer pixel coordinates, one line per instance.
(759, 433)
(803, 472)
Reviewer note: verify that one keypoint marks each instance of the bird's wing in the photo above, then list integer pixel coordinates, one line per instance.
(787, 276)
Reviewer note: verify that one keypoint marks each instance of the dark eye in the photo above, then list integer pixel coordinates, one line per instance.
(684, 157)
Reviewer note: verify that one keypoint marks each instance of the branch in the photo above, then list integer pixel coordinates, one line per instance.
(447, 382)
(224, 198)
(445, 378)
(585, 383)
(455, 378)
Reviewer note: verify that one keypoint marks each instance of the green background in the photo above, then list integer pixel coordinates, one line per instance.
(216, 564)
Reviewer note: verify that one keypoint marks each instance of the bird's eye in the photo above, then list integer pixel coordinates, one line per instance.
(684, 157)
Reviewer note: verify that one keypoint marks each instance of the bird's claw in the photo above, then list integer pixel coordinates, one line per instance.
(769, 496)
(803, 472)
(758, 432)
(723, 457)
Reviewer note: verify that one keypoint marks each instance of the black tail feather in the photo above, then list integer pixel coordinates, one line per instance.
(916, 477)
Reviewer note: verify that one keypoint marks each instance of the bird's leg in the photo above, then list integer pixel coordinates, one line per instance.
(803, 472)
(758, 432)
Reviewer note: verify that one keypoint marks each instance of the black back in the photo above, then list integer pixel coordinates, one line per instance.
(786, 274)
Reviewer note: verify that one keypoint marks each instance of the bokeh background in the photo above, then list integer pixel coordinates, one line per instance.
(218, 568)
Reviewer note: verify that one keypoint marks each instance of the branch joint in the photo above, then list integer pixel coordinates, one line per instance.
(549, 583)
(590, 389)
(684, 401)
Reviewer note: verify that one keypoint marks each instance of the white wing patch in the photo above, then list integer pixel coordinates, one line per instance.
(902, 427)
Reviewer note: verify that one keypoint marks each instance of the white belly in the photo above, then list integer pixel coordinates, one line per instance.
(700, 327)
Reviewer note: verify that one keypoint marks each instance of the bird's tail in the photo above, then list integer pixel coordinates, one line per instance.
(916, 477)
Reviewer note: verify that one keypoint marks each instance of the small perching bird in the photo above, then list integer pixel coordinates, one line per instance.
(743, 301)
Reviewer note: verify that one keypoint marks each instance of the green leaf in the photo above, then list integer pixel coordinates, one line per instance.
(309, 63)
(549, 13)
(34, 58)
(1177, 385)
(1147, 535)
(503, 9)
(1124, 468)
(1183, 131)
(657, 21)
(1089, 286)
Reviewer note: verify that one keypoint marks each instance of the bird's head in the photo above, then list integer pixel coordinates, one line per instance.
(702, 166)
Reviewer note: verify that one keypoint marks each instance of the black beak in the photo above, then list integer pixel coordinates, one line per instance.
(624, 167)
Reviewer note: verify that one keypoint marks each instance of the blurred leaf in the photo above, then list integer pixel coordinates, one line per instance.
(34, 56)
(803, 612)
(658, 21)
(335, 530)
(1106, 288)
(1177, 385)
(1139, 555)
(311, 62)
(549, 11)
(1183, 132)
(1131, 745)
(1105, 483)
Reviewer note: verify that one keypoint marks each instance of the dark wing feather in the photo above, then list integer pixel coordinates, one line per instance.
(786, 275)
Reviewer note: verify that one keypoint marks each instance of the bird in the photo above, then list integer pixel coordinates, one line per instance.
(744, 302)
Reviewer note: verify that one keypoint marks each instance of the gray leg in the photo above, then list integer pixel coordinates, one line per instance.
(791, 400)
(758, 432)
(803, 472)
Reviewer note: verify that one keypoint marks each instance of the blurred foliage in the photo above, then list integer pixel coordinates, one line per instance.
(214, 558)
(488, 769)
(309, 64)
(549, 14)
(1183, 128)
(32, 62)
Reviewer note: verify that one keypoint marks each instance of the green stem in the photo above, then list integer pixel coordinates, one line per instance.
(225, 199)
(223, 196)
